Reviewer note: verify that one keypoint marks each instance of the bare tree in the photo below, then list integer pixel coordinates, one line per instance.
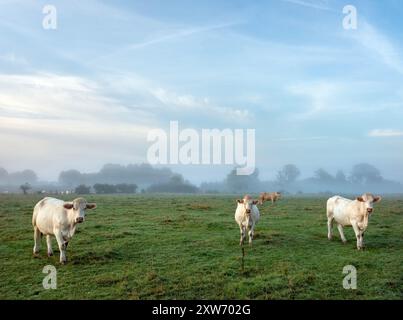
(25, 187)
(288, 174)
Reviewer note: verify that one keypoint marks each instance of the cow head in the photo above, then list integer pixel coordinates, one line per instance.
(78, 207)
(368, 200)
(247, 204)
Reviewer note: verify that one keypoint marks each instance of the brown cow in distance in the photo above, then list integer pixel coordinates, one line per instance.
(266, 196)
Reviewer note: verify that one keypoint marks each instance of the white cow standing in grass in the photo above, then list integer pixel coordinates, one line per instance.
(353, 213)
(53, 217)
(247, 215)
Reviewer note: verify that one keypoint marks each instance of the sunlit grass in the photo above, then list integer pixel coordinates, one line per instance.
(186, 247)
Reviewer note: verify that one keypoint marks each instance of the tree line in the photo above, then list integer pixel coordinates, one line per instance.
(103, 188)
(363, 177)
(17, 178)
(113, 178)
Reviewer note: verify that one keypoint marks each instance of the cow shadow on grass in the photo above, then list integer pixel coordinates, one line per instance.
(270, 238)
(92, 257)
(379, 242)
(85, 258)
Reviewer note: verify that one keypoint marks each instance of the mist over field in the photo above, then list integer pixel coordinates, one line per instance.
(115, 178)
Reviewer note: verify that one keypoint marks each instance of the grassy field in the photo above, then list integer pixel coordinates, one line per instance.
(187, 247)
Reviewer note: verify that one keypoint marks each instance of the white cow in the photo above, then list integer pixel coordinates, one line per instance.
(247, 215)
(353, 213)
(53, 217)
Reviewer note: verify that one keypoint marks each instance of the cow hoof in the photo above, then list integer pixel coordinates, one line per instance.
(64, 262)
(50, 254)
(344, 242)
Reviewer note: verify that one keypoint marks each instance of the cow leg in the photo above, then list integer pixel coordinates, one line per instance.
(49, 244)
(358, 236)
(62, 247)
(330, 228)
(37, 240)
(251, 232)
(242, 235)
(343, 238)
(362, 239)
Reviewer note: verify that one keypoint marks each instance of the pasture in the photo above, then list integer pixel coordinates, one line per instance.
(187, 247)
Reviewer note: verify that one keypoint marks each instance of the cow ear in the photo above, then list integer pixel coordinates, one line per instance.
(255, 202)
(68, 205)
(360, 199)
(239, 201)
(377, 199)
(91, 206)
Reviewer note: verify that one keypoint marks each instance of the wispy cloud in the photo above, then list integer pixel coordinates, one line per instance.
(301, 139)
(315, 4)
(385, 133)
(378, 44)
(181, 33)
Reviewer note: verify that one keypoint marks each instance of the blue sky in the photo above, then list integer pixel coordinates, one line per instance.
(88, 92)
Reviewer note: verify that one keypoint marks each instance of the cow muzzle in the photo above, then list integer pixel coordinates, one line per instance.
(369, 210)
(79, 220)
(248, 211)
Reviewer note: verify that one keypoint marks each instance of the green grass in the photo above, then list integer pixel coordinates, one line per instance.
(186, 247)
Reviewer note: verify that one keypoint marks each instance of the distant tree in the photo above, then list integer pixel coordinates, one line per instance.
(288, 174)
(341, 177)
(143, 174)
(103, 188)
(175, 185)
(25, 187)
(70, 178)
(364, 173)
(323, 176)
(82, 189)
(20, 177)
(3, 176)
(177, 179)
(126, 188)
(242, 183)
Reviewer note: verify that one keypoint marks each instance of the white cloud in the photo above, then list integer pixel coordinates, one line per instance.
(319, 94)
(75, 118)
(385, 133)
(183, 103)
(65, 120)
